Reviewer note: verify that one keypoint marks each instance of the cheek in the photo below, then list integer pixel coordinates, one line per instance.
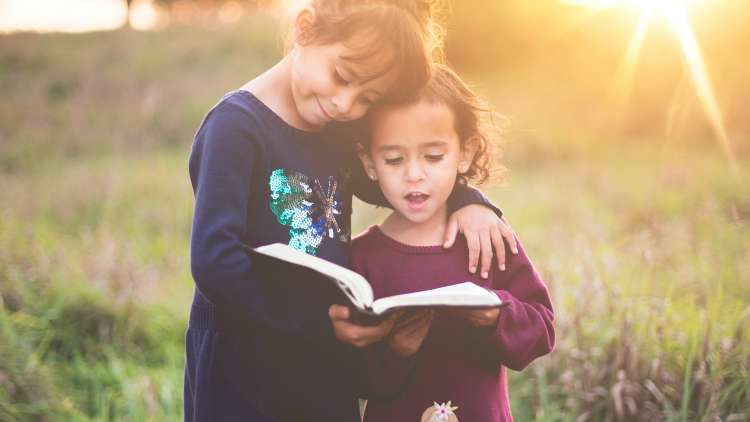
(357, 112)
(388, 179)
(309, 83)
(445, 175)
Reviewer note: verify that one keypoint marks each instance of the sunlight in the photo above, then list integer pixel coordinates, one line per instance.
(681, 25)
(675, 13)
(642, 4)
(67, 16)
(626, 71)
(145, 15)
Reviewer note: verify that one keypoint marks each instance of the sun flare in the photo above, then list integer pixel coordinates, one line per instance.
(675, 13)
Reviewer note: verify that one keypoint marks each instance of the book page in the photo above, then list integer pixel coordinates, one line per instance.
(351, 283)
(464, 294)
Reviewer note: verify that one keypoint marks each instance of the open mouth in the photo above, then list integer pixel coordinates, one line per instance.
(416, 200)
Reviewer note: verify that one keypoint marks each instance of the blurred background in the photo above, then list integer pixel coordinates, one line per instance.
(626, 133)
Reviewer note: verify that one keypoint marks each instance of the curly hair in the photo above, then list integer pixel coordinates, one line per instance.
(473, 121)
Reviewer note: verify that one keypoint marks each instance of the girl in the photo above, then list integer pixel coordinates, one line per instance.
(270, 164)
(417, 153)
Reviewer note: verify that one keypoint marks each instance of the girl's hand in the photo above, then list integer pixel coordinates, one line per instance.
(481, 317)
(358, 335)
(410, 331)
(482, 229)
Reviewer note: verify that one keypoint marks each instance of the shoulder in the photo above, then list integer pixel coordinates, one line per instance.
(364, 241)
(234, 126)
(364, 248)
(236, 111)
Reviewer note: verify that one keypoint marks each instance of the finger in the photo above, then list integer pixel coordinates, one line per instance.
(424, 327)
(472, 242)
(486, 244)
(398, 314)
(415, 330)
(410, 320)
(510, 236)
(363, 336)
(497, 243)
(428, 320)
(450, 232)
(377, 332)
(339, 312)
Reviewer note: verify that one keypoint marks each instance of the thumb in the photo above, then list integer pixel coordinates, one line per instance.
(338, 312)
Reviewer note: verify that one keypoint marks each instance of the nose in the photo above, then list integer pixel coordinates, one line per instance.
(344, 102)
(414, 171)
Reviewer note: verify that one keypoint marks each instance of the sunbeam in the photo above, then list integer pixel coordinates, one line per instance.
(681, 24)
(625, 74)
(675, 13)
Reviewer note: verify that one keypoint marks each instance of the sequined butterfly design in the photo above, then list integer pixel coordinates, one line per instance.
(308, 207)
(442, 412)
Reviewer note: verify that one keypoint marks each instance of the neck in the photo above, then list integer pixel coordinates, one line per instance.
(274, 88)
(426, 233)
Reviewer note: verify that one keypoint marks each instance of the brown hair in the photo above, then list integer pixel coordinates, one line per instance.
(473, 120)
(405, 25)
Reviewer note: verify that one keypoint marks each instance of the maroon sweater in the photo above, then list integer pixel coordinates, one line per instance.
(457, 362)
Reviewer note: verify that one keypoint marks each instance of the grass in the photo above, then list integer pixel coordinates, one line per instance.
(643, 243)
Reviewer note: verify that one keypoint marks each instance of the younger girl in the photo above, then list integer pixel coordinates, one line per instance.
(417, 153)
(270, 164)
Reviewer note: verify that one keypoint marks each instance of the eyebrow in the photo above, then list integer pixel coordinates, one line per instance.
(425, 145)
(435, 144)
(389, 148)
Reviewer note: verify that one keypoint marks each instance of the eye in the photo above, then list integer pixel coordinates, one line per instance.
(434, 157)
(394, 161)
(340, 79)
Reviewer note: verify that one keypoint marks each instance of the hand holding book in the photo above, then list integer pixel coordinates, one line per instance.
(357, 335)
(405, 330)
(480, 317)
(356, 289)
(409, 331)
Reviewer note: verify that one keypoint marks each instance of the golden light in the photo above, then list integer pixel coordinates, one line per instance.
(675, 13)
(145, 15)
(66, 16)
(230, 12)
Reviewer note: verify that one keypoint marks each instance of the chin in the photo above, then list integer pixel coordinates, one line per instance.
(417, 218)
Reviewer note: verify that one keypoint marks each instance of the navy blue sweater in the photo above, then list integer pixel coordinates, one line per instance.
(260, 346)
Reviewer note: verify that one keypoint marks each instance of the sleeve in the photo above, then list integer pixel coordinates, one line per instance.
(525, 328)
(369, 191)
(223, 162)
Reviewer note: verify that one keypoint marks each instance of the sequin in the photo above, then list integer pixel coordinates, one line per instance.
(309, 209)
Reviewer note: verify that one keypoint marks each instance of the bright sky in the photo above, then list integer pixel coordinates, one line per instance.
(61, 15)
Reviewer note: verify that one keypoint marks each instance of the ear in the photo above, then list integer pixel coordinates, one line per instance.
(367, 162)
(303, 24)
(468, 150)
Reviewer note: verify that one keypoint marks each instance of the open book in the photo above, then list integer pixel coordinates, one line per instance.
(358, 291)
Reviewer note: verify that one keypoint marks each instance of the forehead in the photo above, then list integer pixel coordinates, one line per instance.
(369, 58)
(412, 124)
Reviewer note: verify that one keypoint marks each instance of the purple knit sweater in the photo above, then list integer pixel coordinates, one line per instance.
(457, 362)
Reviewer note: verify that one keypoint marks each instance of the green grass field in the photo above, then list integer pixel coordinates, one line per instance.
(644, 242)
